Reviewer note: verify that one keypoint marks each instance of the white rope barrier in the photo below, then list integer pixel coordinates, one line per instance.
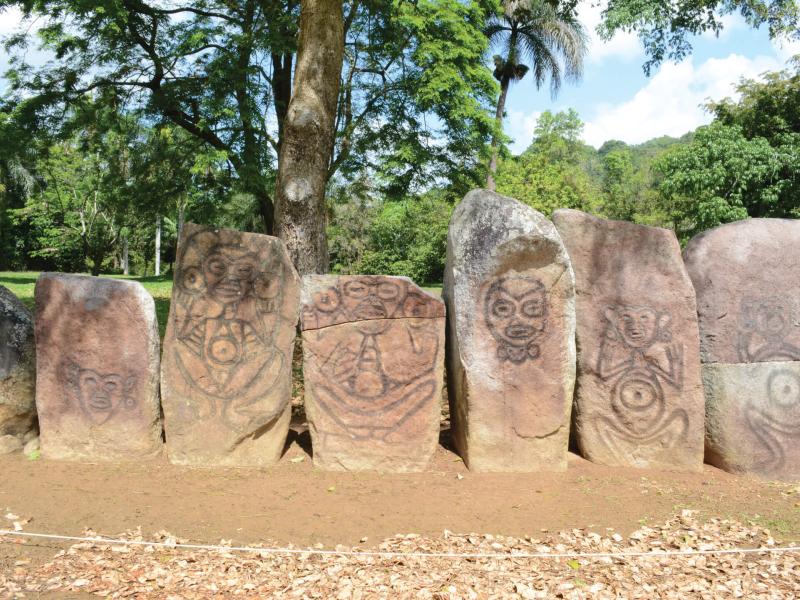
(390, 554)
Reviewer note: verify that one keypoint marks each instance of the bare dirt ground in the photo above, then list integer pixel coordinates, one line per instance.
(292, 503)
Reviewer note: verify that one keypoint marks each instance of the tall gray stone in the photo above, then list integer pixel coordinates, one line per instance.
(747, 279)
(17, 368)
(639, 399)
(97, 363)
(509, 292)
(226, 381)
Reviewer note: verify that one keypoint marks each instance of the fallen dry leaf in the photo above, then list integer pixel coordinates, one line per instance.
(105, 570)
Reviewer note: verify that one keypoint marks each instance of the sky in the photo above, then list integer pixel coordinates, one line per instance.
(614, 98)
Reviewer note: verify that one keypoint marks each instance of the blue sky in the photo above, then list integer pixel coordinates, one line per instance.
(617, 101)
(614, 98)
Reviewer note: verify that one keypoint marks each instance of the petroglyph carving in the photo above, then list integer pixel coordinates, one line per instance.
(377, 371)
(225, 323)
(100, 396)
(515, 310)
(764, 325)
(639, 362)
(776, 420)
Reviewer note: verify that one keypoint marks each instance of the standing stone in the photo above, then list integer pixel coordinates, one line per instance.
(17, 368)
(509, 290)
(639, 400)
(227, 365)
(374, 367)
(97, 355)
(747, 279)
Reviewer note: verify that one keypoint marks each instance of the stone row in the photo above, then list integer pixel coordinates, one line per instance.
(578, 330)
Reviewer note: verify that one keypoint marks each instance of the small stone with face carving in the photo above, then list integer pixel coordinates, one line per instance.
(101, 395)
(515, 310)
(637, 325)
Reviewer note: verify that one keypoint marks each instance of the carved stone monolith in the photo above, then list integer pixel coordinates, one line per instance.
(639, 399)
(97, 362)
(373, 369)
(747, 279)
(509, 291)
(226, 380)
(17, 368)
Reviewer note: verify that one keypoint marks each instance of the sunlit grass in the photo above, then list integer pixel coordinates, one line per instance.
(23, 283)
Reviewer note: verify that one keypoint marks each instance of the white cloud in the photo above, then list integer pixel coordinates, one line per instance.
(730, 23)
(520, 126)
(10, 19)
(11, 22)
(786, 48)
(623, 45)
(669, 104)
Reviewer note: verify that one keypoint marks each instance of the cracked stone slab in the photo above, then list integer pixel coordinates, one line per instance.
(97, 364)
(639, 398)
(510, 300)
(17, 367)
(373, 364)
(226, 380)
(753, 418)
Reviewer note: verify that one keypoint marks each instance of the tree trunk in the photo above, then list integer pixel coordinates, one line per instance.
(157, 269)
(281, 88)
(309, 129)
(501, 105)
(126, 267)
(181, 220)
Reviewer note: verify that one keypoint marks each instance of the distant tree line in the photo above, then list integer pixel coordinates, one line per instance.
(349, 128)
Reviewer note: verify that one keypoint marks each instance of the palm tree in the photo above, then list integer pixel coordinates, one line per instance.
(546, 35)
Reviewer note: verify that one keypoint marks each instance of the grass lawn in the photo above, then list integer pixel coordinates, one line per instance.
(22, 284)
(160, 288)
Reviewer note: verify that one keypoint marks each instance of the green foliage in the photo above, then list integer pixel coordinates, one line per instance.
(554, 171)
(407, 237)
(414, 104)
(665, 28)
(746, 163)
(416, 96)
(723, 176)
(547, 34)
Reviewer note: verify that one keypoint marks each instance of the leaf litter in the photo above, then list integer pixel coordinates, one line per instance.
(113, 570)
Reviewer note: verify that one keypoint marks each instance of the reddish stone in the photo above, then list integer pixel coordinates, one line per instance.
(373, 371)
(753, 418)
(97, 358)
(639, 400)
(226, 376)
(747, 279)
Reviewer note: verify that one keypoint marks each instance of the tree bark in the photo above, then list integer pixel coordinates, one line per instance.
(309, 129)
(126, 268)
(281, 88)
(501, 105)
(157, 269)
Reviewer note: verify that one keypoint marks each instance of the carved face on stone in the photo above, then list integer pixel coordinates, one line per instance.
(637, 325)
(516, 310)
(101, 395)
(369, 301)
(770, 317)
(367, 298)
(229, 273)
